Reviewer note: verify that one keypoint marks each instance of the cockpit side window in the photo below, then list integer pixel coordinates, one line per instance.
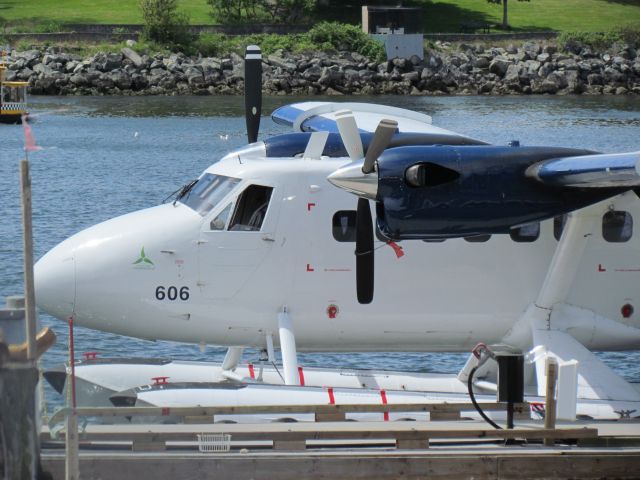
(251, 209)
(220, 221)
(208, 191)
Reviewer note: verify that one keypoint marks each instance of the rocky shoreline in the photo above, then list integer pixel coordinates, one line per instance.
(532, 68)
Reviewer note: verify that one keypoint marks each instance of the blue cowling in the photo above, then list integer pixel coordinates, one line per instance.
(427, 192)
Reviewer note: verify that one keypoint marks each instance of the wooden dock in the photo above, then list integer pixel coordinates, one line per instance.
(353, 450)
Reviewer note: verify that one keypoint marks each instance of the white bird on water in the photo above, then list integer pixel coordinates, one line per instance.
(136, 134)
(224, 136)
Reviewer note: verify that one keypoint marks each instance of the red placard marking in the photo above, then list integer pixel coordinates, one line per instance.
(252, 374)
(332, 399)
(309, 269)
(397, 249)
(165, 411)
(301, 376)
(601, 268)
(159, 380)
(309, 206)
(383, 395)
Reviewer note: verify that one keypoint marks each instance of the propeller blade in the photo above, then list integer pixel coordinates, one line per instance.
(384, 133)
(349, 133)
(364, 252)
(252, 91)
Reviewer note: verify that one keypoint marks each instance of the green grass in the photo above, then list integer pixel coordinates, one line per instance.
(439, 15)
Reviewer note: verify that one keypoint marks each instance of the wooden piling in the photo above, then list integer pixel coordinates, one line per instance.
(18, 425)
(550, 408)
(29, 291)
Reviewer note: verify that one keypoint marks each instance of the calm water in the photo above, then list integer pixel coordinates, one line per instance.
(107, 156)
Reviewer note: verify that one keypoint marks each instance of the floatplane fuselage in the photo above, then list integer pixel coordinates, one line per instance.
(257, 236)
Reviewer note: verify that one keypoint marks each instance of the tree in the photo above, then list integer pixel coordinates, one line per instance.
(234, 11)
(505, 22)
(255, 11)
(163, 23)
(287, 11)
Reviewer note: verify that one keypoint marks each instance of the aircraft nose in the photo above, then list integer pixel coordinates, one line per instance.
(55, 280)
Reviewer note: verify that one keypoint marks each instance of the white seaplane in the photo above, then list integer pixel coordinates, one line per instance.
(529, 247)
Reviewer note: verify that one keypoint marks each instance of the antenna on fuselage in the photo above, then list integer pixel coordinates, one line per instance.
(252, 91)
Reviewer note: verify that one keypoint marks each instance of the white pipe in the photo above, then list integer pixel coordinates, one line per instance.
(288, 348)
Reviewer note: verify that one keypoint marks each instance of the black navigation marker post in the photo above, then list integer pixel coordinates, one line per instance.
(252, 90)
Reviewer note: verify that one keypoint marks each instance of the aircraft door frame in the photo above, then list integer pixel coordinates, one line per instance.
(228, 257)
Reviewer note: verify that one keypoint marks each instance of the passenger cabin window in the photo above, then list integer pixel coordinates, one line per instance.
(343, 226)
(525, 233)
(558, 225)
(617, 226)
(478, 238)
(207, 192)
(251, 209)
(220, 221)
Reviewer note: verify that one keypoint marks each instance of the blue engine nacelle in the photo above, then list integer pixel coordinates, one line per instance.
(428, 192)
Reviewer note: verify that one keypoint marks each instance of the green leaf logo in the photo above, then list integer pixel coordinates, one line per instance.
(143, 258)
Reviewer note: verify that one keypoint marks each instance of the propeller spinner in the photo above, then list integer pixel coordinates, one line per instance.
(360, 178)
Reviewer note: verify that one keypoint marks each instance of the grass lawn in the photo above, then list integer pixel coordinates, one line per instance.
(439, 15)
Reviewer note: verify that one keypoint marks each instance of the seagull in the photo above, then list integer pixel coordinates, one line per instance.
(224, 137)
(136, 134)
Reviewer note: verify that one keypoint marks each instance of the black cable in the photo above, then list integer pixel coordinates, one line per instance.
(475, 404)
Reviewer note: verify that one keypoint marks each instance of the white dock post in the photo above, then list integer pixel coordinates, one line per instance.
(567, 396)
(288, 348)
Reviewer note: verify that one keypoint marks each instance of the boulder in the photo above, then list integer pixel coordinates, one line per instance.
(499, 66)
(132, 56)
(278, 61)
(481, 62)
(120, 79)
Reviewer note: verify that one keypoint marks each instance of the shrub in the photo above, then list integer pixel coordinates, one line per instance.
(630, 35)
(164, 24)
(600, 40)
(320, 38)
(346, 37)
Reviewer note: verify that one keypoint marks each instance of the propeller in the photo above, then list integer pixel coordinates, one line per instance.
(361, 179)
(252, 91)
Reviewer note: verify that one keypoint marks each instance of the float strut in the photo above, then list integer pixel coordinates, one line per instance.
(271, 354)
(288, 348)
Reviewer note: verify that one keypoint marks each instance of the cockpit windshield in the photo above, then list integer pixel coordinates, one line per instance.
(207, 192)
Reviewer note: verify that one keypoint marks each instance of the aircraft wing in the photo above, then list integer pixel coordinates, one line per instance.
(320, 117)
(589, 171)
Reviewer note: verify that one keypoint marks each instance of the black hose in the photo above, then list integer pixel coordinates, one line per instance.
(475, 404)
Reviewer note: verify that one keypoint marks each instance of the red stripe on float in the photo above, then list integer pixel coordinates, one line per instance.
(383, 395)
(252, 374)
(332, 399)
(301, 376)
